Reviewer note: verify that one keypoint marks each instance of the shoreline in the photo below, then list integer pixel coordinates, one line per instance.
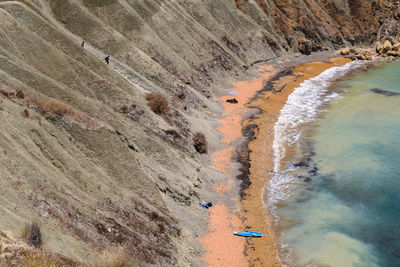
(246, 140)
(269, 101)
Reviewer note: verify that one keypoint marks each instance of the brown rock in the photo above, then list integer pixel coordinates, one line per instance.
(379, 48)
(363, 51)
(391, 58)
(345, 51)
(392, 53)
(396, 47)
(360, 56)
(387, 45)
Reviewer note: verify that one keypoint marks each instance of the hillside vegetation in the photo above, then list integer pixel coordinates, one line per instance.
(108, 156)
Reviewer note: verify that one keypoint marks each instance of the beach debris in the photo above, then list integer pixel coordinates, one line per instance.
(83, 44)
(248, 234)
(232, 101)
(205, 205)
(276, 59)
(107, 59)
(384, 92)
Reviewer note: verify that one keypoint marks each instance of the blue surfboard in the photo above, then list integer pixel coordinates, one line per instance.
(248, 234)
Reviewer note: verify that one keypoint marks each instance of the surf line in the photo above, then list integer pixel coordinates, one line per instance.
(302, 107)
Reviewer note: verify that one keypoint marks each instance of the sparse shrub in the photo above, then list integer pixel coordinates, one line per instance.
(124, 109)
(173, 133)
(238, 5)
(20, 94)
(32, 234)
(6, 93)
(131, 111)
(115, 258)
(25, 113)
(200, 143)
(158, 103)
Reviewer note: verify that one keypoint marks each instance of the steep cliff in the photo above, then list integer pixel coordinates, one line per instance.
(82, 152)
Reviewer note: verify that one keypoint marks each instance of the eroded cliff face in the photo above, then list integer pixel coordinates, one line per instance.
(80, 150)
(308, 25)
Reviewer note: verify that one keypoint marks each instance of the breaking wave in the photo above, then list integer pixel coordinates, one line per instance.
(302, 107)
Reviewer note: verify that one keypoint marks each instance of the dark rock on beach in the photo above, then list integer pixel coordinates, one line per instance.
(384, 92)
(307, 179)
(313, 172)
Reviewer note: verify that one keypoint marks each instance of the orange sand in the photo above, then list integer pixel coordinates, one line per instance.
(263, 251)
(222, 247)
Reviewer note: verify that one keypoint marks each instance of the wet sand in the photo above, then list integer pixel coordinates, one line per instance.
(264, 251)
(231, 213)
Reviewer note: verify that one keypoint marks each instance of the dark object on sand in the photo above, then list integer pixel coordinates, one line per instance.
(248, 234)
(83, 44)
(107, 59)
(232, 101)
(384, 92)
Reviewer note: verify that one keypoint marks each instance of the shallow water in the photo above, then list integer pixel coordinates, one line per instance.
(336, 188)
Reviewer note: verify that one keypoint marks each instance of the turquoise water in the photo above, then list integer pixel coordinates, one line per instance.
(336, 195)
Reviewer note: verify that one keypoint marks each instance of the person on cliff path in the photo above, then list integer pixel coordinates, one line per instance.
(83, 44)
(107, 59)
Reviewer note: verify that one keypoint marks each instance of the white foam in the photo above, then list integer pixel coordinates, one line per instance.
(302, 107)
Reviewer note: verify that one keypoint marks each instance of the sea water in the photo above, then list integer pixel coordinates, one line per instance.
(335, 189)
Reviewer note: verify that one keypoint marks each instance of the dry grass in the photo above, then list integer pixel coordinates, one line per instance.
(44, 258)
(7, 90)
(200, 143)
(114, 258)
(62, 110)
(238, 5)
(132, 111)
(52, 107)
(173, 133)
(39, 260)
(32, 234)
(158, 103)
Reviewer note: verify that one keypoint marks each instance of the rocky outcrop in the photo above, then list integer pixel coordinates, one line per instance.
(383, 48)
(387, 45)
(387, 49)
(345, 51)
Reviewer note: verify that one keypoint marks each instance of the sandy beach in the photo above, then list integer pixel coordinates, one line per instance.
(264, 251)
(222, 247)
(233, 213)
